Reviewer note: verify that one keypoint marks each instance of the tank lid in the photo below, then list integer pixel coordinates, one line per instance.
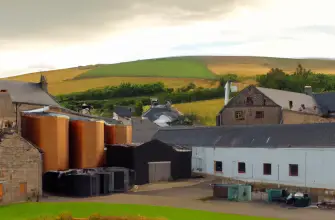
(46, 114)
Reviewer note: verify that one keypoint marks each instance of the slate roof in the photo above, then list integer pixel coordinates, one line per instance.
(154, 113)
(27, 93)
(123, 111)
(282, 98)
(326, 101)
(268, 136)
(143, 130)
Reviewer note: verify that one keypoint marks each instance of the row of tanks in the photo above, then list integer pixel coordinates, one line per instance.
(71, 143)
(88, 182)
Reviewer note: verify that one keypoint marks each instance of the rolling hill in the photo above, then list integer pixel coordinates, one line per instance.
(174, 72)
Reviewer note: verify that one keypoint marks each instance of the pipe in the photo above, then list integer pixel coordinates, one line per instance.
(227, 91)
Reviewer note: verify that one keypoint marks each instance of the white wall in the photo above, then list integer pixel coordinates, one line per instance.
(316, 166)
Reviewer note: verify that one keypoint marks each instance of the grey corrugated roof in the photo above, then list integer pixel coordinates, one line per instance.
(282, 98)
(29, 93)
(326, 101)
(123, 111)
(143, 130)
(301, 135)
(154, 113)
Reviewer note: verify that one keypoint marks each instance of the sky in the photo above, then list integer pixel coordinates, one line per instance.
(39, 35)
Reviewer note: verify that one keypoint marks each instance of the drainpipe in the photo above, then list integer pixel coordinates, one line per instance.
(227, 91)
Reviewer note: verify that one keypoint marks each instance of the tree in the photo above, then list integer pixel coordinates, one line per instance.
(138, 108)
(231, 77)
(302, 72)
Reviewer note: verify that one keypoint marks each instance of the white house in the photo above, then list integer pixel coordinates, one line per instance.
(297, 155)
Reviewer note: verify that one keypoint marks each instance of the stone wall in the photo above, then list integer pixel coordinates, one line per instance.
(20, 170)
(291, 117)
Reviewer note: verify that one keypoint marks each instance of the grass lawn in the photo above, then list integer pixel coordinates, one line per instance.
(29, 211)
(173, 67)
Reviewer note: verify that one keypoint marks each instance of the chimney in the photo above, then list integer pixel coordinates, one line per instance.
(44, 83)
(227, 91)
(308, 90)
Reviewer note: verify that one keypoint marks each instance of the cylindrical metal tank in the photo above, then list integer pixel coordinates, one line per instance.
(123, 134)
(50, 132)
(110, 133)
(86, 144)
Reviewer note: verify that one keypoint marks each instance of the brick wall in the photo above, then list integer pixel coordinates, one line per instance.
(20, 170)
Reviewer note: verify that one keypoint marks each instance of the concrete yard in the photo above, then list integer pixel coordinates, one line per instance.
(190, 197)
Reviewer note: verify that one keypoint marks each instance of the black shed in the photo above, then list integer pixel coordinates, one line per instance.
(152, 161)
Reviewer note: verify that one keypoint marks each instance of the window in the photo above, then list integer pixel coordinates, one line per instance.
(290, 103)
(267, 168)
(239, 115)
(218, 166)
(249, 101)
(259, 114)
(293, 169)
(241, 167)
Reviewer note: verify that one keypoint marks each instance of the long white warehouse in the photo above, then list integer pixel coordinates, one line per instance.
(297, 155)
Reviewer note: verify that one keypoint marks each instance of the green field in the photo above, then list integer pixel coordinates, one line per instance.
(174, 72)
(173, 67)
(28, 211)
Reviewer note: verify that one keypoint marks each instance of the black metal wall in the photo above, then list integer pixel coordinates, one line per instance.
(120, 156)
(153, 151)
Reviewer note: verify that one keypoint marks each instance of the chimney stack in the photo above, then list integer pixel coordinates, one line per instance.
(227, 91)
(308, 90)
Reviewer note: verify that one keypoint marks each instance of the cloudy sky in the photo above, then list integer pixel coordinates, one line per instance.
(38, 35)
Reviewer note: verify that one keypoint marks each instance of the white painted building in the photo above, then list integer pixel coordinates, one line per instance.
(297, 155)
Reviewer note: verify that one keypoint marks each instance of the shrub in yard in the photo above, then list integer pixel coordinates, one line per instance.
(95, 216)
(64, 216)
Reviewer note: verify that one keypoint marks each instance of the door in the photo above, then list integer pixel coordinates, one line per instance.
(159, 171)
(23, 190)
(1, 192)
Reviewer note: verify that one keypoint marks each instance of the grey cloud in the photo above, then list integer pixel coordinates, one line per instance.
(326, 29)
(74, 20)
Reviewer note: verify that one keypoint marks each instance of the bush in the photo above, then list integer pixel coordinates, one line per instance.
(64, 216)
(109, 92)
(296, 82)
(96, 216)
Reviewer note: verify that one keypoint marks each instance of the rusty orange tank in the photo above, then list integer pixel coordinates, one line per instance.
(123, 134)
(51, 134)
(110, 133)
(86, 144)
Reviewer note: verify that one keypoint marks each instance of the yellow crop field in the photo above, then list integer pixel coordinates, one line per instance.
(206, 111)
(238, 69)
(53, 76)
(254, 69)
(85, 84)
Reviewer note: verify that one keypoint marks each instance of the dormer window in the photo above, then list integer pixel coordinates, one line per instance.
(249, 101)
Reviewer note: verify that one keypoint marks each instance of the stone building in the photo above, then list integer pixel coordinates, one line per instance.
(20, 169)
(20, 161)
(27, 96)
(256, 105)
